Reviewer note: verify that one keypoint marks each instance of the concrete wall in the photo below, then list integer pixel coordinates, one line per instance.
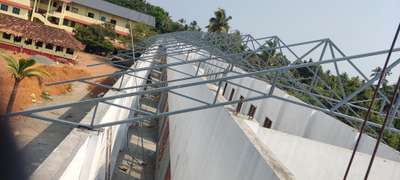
(309, 159)
(309, 143)
(299, 120)
(210, 145)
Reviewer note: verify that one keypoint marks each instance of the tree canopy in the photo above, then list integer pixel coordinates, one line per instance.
(164, 23)
(20, 69)
(96, 37)
(219, 23)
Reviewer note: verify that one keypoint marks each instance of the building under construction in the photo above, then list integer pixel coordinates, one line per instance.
(201, 105)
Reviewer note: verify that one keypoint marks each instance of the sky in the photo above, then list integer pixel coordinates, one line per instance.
(356, 26)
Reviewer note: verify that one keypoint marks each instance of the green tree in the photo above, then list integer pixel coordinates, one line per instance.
(183, 24)
(20, 70)
(378, 70)
(141, 31)
(97, 38)
(193, 26)
(219, 23)
(163, 24)
(271, 57)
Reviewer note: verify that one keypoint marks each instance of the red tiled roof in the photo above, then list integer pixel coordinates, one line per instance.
(122, 33)
(38, 31)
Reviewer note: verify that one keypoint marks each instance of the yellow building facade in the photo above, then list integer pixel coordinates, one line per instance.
(67, 14)
(37, 26)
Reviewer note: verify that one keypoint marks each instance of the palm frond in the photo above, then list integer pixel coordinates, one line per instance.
(23, 63)
(24, 68)
(219, 23)
(12, 65)
(36, 72)
(12, 71)
(11, 62)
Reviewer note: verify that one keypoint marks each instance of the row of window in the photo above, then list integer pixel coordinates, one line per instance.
(69, 23)
(103, 18)
(38, 44)
(92, 15)
(252, 111)
(15, 10)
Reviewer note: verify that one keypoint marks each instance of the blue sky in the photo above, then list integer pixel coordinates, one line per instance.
(356, 26)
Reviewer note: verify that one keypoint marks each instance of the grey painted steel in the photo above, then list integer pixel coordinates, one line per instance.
(190, 84)
(188, 97)
(208, 45)
(128, 108)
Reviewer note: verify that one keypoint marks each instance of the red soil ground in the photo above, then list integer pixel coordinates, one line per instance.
(59, 72)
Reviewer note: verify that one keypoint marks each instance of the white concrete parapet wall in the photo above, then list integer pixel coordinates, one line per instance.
(309, 159)
(295, 119)
(82, 154)
(210, 144)
(309, 143)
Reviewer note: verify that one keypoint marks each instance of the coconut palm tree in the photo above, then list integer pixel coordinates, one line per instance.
(378, 70)
(193, 26)
(21, 69)
(219, 23)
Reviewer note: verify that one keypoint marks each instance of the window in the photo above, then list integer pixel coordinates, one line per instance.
(39, 44)
(66, 22)
(70, 51)
(59, 49)
(68, 8)
(252, 111)
(113, 21)
(4, 7)
(17, 39)
(91, 15)
(267, 123)
(74, 10)
(223, 92)
(102, 18)
(231, 96)
(15, 10)
(73, 24)
(49, 46)
(239, 105)
(28, 41)
(6, 36)
(127, 25)
(54, 4)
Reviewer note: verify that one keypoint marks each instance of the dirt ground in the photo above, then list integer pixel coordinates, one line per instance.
(30, 91)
